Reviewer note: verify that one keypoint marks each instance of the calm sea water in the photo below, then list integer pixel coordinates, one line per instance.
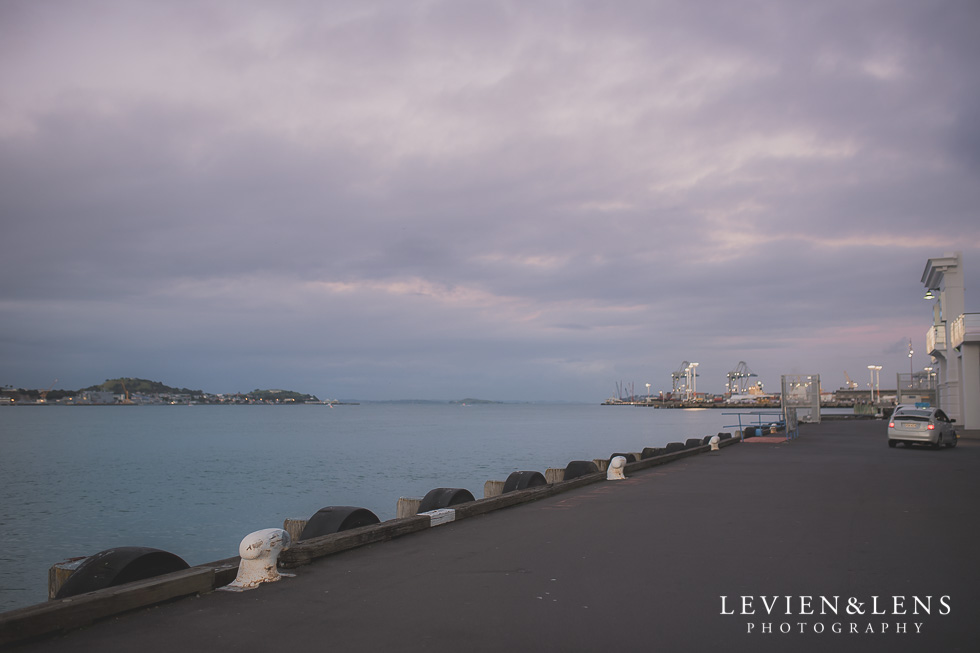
(194, 480)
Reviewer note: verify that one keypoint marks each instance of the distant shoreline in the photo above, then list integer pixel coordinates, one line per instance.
(192, 403)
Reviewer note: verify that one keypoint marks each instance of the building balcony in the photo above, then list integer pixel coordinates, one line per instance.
(936, 339)
(965, 328)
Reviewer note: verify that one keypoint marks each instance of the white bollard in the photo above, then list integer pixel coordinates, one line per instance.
(260, 553)
(615, 471)
(714, 442)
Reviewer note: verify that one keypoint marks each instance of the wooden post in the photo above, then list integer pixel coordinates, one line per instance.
(554, 475)
(407, 507)
(59, 573)
(493, 489)
(294, 527)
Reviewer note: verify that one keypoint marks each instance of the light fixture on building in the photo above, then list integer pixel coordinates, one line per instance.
(929, 294)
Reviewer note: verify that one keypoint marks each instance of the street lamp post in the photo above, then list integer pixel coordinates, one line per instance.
(910, 363)
(871, 368)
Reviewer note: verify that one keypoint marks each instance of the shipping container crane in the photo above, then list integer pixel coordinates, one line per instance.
(738, 379)
(679, 377)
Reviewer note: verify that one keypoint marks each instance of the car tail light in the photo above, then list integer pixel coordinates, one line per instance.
(931, 427)
(891, 425)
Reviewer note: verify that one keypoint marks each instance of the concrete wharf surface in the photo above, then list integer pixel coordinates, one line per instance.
(638, 565)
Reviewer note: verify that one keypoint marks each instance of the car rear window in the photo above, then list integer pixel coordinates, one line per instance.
(914, 413)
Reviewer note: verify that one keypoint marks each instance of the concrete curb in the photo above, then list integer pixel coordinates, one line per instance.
(306, 551)
(62, 615)
(84, 609)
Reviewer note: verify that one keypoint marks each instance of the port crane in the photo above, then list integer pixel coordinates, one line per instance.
(738, 379)
(624, 387)
(679, 378)
(851, 385)
(127, 400)
(685, 380)
(44, 393)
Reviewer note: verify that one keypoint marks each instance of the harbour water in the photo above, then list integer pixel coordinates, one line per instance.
(194, 480)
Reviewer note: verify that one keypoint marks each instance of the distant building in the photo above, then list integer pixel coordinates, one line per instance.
(95, 397)
(953, 341)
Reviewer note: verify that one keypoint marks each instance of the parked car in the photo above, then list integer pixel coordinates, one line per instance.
(921, 426)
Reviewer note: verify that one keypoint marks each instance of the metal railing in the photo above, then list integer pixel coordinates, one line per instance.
(782, 422)
(965, 328)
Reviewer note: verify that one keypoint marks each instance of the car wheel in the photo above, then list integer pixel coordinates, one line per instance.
(953, 443)
(939, 442)
(892, 443)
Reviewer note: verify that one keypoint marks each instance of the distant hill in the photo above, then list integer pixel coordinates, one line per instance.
(281, 396)
(140, 386)
(470, 400)
(147, 387)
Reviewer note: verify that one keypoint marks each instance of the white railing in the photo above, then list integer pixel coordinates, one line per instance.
(965, 328)
(936, 339)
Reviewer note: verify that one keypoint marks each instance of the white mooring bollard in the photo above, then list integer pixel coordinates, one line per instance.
(615, 471)
(714, 442)
(260, 553)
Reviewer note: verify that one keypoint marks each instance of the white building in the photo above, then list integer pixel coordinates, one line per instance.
(953, 341)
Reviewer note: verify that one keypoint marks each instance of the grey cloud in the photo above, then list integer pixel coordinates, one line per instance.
(531, 191)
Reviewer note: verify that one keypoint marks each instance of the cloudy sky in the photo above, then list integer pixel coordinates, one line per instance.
(508, 200)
